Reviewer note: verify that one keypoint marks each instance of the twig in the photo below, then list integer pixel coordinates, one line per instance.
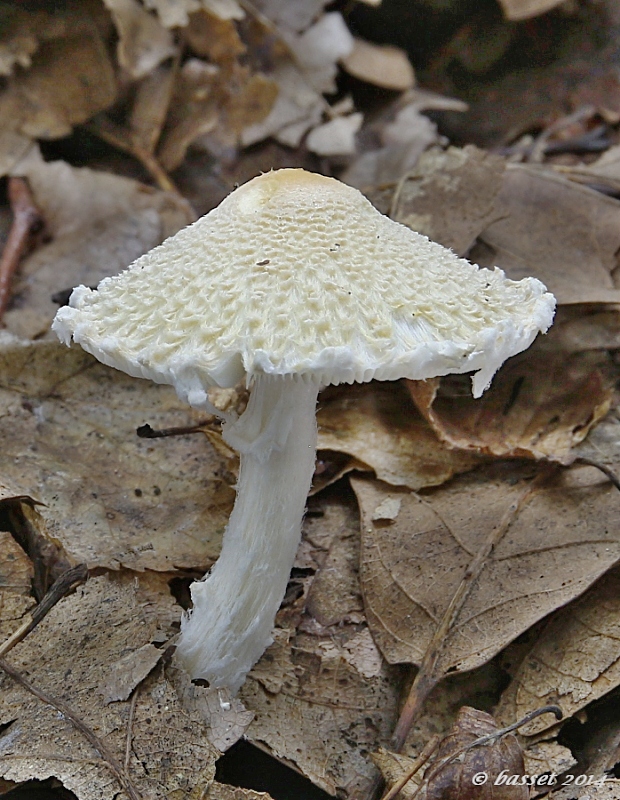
(602, 467)
(88, 733)
(489, 738)
(123, 140)
(420, 761)
(26, 218)
(129, 740)
(57, 591)
(426, 677)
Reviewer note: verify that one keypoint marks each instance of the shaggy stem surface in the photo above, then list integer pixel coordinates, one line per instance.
(236, 603)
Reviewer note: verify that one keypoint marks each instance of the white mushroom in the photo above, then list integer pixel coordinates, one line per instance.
(295, 281)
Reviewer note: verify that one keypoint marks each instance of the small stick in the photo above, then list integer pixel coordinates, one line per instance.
(420, 761)
(57, 591)
(132, 713)
(26, 218)
(88, 733)
(607, 471)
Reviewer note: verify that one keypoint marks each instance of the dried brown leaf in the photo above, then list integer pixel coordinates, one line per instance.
(455, 781)
(561, 539)
(377, 425)
(541, 404)
(574, 661)
(118, 499)
(99, 223)
(450, 195)
(563, 233)
(213, 38)
(16, 573)
(143, 41)
(70, 80)
(150, 107)
(176, 13)
(68, 655)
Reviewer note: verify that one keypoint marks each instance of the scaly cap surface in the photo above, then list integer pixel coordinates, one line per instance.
(298, 273)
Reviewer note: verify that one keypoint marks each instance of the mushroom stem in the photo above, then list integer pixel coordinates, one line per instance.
(235, 604)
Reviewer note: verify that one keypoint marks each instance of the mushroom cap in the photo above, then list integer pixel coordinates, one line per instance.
(298, 273)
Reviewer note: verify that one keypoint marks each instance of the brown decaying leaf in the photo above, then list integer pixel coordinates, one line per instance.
(560, 541)
(527, 219)
(69, 656)
(565, 234)
(118, 500)
(450, 195)
(70, 80)
(99, 223)
(574, 661)
(541, 403)
(377, 424)
(455, 781)
(16, 574)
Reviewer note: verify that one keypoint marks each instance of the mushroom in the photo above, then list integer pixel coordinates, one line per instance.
(293, 282)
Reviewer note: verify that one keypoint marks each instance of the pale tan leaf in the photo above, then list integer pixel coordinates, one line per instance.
(99, 223)
(525, 9)
(378, 425)
(71, 79)
(222, 791)
(336, 137)
(130, 670)
(225, 717)
(575, 660)
(560, 539)
(541, 757)
(13, 147)
(69, 653)
(382, 65)
(143, 41)
(118, 499)
(175, 13)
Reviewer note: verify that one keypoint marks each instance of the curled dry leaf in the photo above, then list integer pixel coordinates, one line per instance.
(556, 543)
(525, 9)
(540, 404)
(574, 661)
(455, 781)
(69, 656)
(382, 65)
(376, 424)
(175, 13)
(99, 223)
(70, 80)
(143, 41)
(118, 500)
(403, 140)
